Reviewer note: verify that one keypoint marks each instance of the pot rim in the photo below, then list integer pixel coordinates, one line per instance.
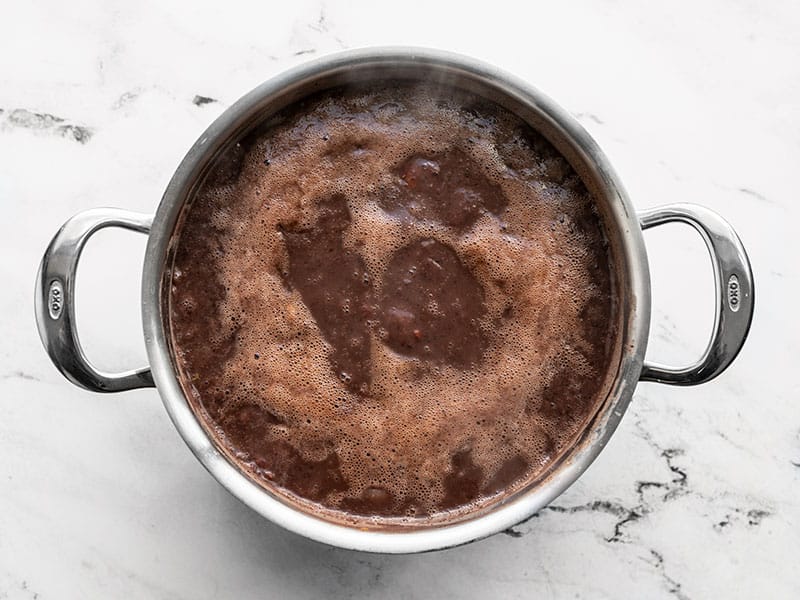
(635, 320)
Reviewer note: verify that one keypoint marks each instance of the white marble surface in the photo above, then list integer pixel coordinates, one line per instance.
(696, 496)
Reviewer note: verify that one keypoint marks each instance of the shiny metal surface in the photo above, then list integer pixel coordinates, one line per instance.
(735, 300)
(55, 300)
(452, 70)
(625, 233)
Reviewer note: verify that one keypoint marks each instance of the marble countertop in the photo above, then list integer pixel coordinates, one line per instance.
(696, 496)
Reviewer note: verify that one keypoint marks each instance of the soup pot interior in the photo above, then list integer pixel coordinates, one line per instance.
(448, 71)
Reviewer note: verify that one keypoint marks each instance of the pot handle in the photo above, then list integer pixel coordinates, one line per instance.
(55, 302)
(733, 290)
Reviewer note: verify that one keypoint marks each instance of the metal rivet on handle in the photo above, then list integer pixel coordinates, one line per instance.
(734, 292)
(55, 299)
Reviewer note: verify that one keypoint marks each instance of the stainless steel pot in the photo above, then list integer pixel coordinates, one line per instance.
(55, 311)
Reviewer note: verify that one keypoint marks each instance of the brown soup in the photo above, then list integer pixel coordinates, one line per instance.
(393, 305)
